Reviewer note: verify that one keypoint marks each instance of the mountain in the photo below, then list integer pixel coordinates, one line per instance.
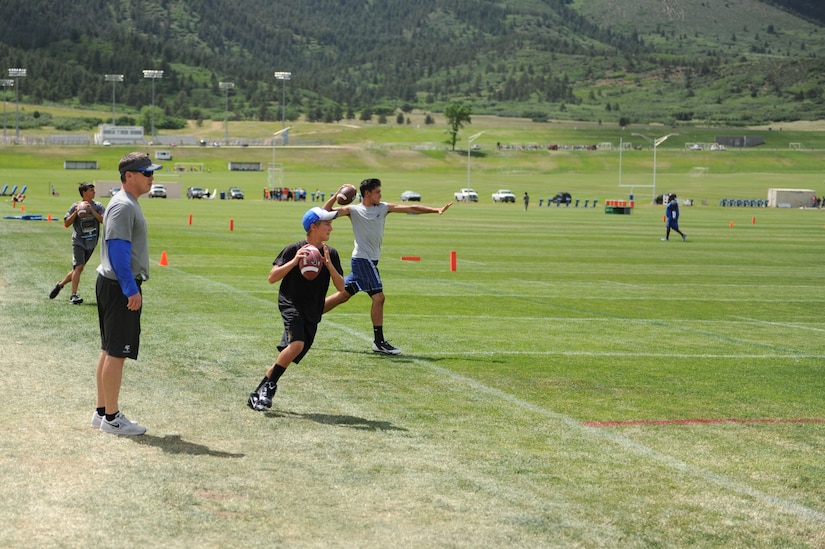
(731, 62)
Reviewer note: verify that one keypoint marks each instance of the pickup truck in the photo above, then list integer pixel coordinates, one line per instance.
(466, 195)
(504, 195)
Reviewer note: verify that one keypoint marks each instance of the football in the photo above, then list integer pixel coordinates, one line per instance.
(347, 194)
(311, 264)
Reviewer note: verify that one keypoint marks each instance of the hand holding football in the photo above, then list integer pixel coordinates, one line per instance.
(347, 194)
(311, 263)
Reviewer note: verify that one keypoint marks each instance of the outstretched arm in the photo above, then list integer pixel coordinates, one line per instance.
(418, 209)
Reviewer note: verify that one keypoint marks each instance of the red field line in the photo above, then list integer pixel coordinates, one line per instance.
(696, 421)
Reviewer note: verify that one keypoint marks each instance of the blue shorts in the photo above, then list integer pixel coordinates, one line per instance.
(364, 277)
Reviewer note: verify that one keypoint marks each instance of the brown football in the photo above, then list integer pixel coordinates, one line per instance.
(347, 195)
(311, 264)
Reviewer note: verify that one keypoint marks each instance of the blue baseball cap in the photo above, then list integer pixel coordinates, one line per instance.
(316, 214)
(141, 164)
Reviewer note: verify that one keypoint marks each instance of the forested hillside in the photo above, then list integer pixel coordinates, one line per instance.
(616, 61)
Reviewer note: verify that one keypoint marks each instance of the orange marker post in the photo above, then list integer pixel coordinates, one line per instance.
(453, 261)
(231, 224)
(190, 219)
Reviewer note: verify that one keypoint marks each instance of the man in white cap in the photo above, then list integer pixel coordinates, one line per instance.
(300, 300)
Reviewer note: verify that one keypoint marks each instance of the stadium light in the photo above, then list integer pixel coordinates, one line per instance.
(283, 77)
(16, 74)
(655, 143)
(226, 86)
(114, 79)
(5, 82)
(470, 142)
(153, 74)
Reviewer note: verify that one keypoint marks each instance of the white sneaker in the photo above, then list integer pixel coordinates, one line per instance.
(97, 419)
(121, 426)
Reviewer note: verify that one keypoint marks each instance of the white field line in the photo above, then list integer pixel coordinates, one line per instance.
(625, 443)
(783, 324)
(766, 356)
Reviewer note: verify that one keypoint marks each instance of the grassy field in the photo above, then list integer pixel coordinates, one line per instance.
(576, 382)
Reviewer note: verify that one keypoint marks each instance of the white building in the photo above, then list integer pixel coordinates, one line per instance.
(107, 134)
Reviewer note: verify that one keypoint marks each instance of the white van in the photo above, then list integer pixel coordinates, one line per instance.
(163, 155)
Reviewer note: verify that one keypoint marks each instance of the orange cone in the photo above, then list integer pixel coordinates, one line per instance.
(731, 224)
(164, 261)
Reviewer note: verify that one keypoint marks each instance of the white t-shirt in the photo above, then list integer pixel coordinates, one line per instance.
(368, 228)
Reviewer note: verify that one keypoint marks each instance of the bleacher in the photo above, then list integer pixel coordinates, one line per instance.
(743, 203)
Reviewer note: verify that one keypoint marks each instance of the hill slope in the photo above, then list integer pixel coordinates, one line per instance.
(617, 61)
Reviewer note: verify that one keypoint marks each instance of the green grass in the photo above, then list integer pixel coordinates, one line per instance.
(478, 434)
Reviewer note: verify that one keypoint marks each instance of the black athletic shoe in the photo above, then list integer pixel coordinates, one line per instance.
(261, 400)
(385, 348)
(55, 291)
(75, 299)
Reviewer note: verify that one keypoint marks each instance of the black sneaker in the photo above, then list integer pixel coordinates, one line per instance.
(385, 348)
(55, 291)
(261, 400)
(75, 299)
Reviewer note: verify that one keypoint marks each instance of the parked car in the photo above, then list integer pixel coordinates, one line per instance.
(466, 195)
(194, 192)
(561, 198)
(410, 196)
(504, 195)
(157, 191)
(235, 193)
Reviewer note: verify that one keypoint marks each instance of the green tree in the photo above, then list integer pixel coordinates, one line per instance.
(457, 115)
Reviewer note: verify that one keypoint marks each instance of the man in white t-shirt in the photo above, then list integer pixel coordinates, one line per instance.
(368, 228)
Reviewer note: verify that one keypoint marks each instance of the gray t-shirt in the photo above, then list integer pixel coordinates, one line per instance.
(124, 220)
(368, 228)
(86, 229)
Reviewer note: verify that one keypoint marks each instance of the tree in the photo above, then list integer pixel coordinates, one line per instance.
(457, 115)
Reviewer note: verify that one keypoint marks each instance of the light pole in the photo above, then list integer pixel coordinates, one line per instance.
(5, 82)
(226, 86)
(153, 74)
(114, 79)
(283, 77)
(16, 74)
(469, 142)
(655, 143)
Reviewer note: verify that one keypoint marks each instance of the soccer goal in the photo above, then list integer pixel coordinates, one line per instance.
(698, 171)
(275, 174)
(797, 146)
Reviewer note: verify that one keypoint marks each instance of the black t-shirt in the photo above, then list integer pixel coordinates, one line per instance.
(298, 293)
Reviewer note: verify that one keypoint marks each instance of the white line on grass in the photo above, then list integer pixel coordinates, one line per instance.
(632, 446)
(783, 324)
(634, 355)
(622, 441)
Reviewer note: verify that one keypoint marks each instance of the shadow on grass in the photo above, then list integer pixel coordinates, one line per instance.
(173, 444)
(343, 421)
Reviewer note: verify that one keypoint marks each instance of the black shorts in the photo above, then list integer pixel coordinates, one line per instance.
(119, 327)
(297, 329)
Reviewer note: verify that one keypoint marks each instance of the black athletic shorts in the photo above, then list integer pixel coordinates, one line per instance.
(119, 327)
(297, 329)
